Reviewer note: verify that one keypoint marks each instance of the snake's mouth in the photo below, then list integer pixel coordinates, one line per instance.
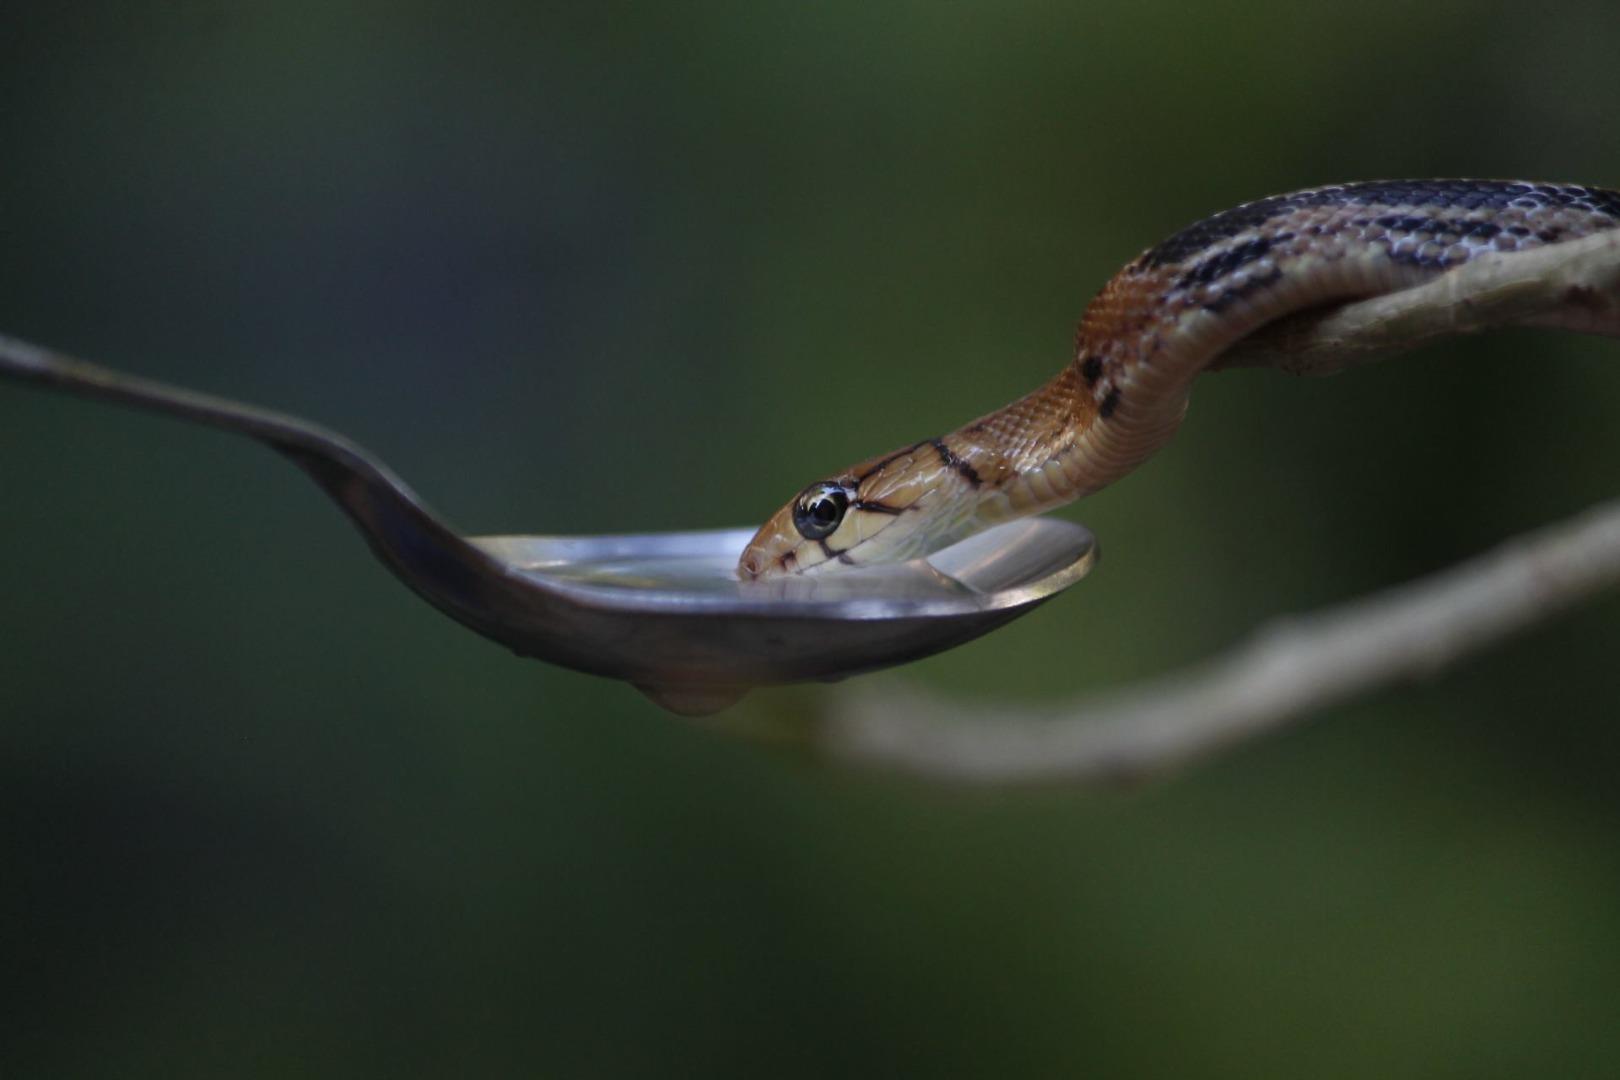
(775, 556)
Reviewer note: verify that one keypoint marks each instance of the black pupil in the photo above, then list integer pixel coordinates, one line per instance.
(819, 511)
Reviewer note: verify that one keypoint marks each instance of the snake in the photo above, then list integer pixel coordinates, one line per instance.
(1143, 339)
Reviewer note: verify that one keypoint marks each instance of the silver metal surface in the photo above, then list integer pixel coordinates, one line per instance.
(664, 611)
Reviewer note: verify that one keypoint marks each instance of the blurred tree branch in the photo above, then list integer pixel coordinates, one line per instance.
(1300, 665)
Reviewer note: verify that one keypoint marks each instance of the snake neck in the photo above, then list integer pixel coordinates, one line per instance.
(1066, 439)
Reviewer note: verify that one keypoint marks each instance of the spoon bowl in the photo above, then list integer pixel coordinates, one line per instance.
(664, 611)
(667, 612)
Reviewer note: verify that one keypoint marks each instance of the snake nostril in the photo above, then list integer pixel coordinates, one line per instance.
(749, 565)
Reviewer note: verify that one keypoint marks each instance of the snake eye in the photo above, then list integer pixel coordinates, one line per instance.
(819, 509)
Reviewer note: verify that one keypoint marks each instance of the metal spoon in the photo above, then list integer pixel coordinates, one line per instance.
(663, 611)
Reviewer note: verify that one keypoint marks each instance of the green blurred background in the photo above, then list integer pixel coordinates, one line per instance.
(607, 267)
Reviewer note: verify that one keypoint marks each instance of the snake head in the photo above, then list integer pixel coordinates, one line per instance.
(888, 509)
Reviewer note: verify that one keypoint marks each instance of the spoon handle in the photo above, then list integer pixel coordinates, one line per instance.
(32, 363)
(410, 539)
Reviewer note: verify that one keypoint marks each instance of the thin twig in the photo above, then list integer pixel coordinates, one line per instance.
(1292, 667)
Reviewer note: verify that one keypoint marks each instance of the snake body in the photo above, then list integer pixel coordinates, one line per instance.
(1142, 340)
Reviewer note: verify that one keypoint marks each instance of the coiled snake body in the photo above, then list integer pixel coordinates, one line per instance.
(1152, 329)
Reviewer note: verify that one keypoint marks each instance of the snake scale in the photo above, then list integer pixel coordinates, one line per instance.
(1142, 340)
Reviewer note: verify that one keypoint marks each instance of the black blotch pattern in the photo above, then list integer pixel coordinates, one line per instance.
(1110, 402)
(1232, 296)
(1439, 194)
(1091, 370)
(963, 469)
(1396, 223)
(1218, 266)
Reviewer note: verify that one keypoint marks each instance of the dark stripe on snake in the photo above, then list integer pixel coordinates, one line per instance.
(967, 472)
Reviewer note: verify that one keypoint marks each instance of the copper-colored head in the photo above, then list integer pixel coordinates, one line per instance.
(894, 507)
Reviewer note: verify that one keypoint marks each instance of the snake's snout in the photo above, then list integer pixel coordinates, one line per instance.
(772, 551)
